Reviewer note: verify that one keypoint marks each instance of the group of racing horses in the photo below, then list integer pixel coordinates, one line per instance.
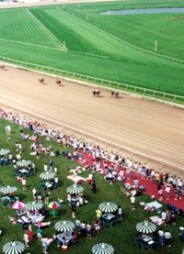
(95, 92)
(114, 93)
(58, 82)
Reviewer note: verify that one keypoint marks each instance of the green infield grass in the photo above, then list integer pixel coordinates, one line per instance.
(119, 48)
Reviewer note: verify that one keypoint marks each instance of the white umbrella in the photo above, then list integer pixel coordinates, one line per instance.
(75, 189)
(4, 151)
(13, 247)
(33, 206)
(23, 163)
(24, 171)
(64, 226)
(102, 248)
(146, 227)
(8, 189)
(108, 207)
(47, 175)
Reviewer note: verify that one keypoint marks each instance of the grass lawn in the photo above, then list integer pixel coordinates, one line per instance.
(76, 38)
(120, 235)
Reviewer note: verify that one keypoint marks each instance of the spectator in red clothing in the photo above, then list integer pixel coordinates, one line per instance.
(37, 140)
(30, 233)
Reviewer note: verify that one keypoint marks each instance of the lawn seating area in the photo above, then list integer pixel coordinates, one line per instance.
(119, 233)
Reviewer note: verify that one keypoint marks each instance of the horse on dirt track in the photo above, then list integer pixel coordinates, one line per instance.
(96, 92)
(58, 82)
(115, 93)
(2, 67)
(41, 80)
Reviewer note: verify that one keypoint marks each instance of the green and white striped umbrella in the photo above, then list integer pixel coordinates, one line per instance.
(8, 189)
(23, 163)
(146, 227)
(102, 248)
(13, 247)
(64, 226)
(4, 151)
(33, 206)
(75, 189)
(47, 175)
(108, 207)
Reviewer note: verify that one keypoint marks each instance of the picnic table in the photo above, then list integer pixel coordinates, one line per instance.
(144, 241)
(109, 219)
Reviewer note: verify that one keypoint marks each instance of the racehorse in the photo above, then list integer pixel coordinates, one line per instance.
(41, 80)
(115, 93)
(58, 82)
(96, 92)
(2, 67)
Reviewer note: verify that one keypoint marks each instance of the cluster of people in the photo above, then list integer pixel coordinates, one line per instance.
(164, 238)
(27, 170)
(65, 239)
(114, 167)
(76, 199)
(6, 159)
(88, 229)
(169, 216)
(98, 154)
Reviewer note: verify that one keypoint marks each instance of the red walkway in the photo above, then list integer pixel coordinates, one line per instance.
(150, 187)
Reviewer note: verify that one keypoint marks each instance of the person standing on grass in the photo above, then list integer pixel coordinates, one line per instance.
(51, 164)
(132, 201)
(161, 237)
(119, 213)
(24, 183)
(30, 232)
(93, 186)
(47, 194)
(73, 208)
(167, 238)
(19, 146)
(34, 193)
(173, 218)
(45, 167)
(26, 239)
(39, 232)
(44, 245)
(164, 217)
(98, 214)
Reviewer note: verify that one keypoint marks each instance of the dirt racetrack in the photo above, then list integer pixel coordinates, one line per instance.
(147, 131)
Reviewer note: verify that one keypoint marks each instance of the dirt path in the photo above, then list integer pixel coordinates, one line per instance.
(128, 125)
(43, 2)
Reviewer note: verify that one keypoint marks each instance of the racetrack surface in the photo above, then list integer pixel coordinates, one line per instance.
(133, 127)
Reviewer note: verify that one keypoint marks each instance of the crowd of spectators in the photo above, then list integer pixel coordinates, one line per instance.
(114, 167)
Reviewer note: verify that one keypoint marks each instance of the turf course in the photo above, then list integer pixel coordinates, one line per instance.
(120, 48)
